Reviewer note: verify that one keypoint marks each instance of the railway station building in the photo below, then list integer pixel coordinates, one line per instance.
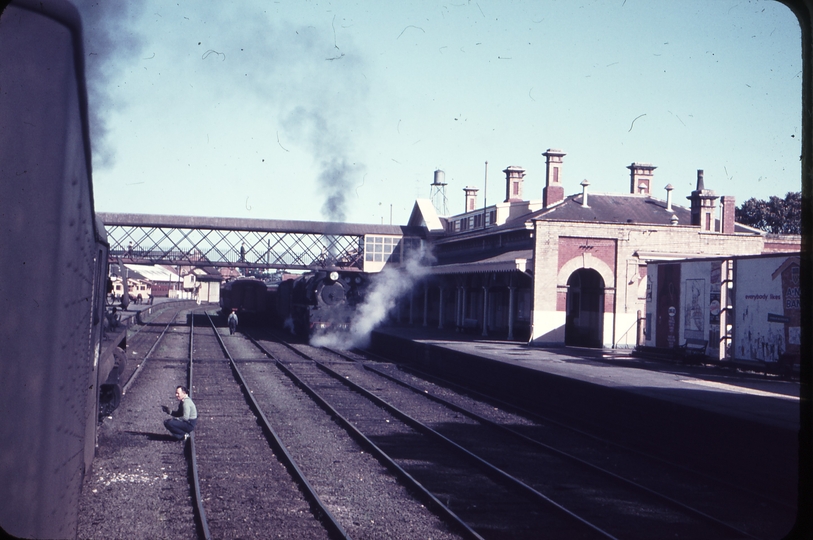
(567, 270)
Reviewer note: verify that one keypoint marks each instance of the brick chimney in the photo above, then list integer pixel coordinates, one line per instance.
(727, 211)
(513, 183)
(553, 192)
(703, 205)
(471, 198)
(641, 178)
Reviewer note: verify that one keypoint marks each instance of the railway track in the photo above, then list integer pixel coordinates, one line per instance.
(618, 505)
(712, 498)
(295, 441)
(489, 503)
(123, 467)
(246, 487)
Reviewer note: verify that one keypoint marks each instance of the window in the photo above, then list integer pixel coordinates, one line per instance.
(382, 249)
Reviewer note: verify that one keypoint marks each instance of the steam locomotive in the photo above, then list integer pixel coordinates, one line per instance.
(53, 371)
(319, 302)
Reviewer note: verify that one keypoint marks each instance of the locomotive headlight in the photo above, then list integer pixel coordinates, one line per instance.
(334, 276)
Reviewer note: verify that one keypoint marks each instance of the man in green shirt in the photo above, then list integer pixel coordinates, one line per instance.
(184, 418)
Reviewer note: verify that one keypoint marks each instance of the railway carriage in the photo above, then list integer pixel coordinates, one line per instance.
(248, 296)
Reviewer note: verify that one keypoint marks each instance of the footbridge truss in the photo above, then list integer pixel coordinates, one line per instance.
(255, 243)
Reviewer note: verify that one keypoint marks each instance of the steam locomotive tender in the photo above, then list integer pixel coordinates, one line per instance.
(319, 302)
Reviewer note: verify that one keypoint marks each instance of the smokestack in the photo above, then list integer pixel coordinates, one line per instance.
(513, 183)
(471, 198)
(584, 185)
(553, 191)
(669, 189)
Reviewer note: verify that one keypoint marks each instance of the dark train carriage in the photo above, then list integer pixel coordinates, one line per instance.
(248, 296)
(53, 272)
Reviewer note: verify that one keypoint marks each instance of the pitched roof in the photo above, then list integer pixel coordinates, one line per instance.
(613, 208)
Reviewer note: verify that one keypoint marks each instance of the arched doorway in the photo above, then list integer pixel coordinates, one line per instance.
(585, 309)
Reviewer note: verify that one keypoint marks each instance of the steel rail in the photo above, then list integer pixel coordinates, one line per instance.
(146, 356)
(385, 459)
(332, 524)
(191, 452)
(494, 471)
(474, 416)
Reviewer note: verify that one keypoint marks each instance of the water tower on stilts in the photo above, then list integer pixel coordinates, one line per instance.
(438, 193)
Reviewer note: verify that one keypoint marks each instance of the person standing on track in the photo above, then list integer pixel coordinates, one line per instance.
(232, 321)
(184, 418)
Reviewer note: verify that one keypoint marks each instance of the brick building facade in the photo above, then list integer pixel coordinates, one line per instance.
(567, 270)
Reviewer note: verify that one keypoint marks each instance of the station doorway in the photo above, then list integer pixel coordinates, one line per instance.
(585, 309)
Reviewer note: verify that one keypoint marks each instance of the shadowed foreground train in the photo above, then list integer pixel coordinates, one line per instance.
(53, 272)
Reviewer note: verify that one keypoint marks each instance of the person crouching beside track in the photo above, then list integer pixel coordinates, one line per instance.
(184, 418)
(232, 321)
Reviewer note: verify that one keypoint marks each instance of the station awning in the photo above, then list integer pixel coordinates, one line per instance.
(513, 261)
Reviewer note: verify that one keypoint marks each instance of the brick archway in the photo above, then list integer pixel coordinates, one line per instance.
(584, 312)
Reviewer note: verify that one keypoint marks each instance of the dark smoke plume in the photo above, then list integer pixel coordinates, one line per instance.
(310, 75)
(110, 44)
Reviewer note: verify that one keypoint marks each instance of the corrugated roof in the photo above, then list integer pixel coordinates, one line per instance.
(153, 273)
(505, 262)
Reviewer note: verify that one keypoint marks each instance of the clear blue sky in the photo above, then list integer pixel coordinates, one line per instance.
(343, 110)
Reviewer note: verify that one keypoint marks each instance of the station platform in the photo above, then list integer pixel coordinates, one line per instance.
(766, 399)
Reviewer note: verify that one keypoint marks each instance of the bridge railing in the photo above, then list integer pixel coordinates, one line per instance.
(261, 249)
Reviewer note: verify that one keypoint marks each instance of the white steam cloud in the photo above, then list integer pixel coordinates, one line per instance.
(386, 288)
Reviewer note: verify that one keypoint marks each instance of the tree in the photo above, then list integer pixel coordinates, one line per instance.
(776, 215)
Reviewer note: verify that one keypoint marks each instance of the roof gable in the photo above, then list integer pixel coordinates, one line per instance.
(424, 215)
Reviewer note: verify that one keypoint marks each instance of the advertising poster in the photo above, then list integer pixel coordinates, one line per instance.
(767, 316)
